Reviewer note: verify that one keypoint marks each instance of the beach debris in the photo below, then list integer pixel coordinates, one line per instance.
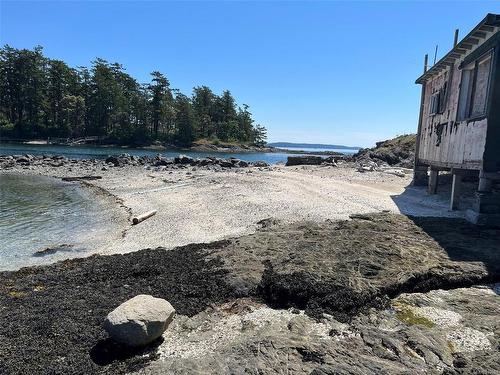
(136, 220)
(267, 222)
(80, 178)
(366, 168)
(140, 320)
(53, 249)
(396, 172)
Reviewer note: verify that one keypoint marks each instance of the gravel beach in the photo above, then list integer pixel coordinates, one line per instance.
(196, 204)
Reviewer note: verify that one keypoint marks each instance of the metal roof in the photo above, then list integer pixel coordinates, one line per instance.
(486, 28)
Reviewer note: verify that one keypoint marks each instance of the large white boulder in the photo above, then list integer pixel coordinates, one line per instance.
(140, 320)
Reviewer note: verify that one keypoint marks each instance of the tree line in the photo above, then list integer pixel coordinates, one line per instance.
(42, 97)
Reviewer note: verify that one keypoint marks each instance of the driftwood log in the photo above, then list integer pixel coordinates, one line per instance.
(144, 216)
(80, 178)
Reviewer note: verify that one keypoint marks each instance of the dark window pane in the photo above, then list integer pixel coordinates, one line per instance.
(481, 87)
(463, 100)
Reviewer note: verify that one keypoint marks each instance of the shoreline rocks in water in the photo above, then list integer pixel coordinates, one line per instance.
(27, 161)
(312, 160)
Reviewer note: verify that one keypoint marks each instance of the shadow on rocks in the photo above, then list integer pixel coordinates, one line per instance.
(316, 296)
(107, 351)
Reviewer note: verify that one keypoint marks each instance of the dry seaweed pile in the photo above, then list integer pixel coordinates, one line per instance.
(52, 316)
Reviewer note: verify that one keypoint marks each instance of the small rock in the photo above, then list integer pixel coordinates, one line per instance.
(366, 168)
(23, 159)
(113, 160)
(140, 320)
(183, 159)
(396, 172)
(260, 164)
(304, 160)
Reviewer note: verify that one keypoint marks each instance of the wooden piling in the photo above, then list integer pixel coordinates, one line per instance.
(433, 181)
(455, 191)
(455, 41)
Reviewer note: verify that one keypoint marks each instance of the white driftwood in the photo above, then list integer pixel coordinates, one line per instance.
(144, 216)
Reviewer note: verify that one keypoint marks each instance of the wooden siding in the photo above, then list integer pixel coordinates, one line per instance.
(444, 141)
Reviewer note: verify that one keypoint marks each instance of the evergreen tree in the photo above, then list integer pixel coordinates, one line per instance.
(184, 119)
(259, 136)
(161, 104)
(203, 106)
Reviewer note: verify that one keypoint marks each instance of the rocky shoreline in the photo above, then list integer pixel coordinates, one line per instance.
(158, 162)
(323, 298)
(56, 161)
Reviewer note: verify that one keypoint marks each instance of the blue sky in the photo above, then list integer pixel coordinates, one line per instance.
(323, 72)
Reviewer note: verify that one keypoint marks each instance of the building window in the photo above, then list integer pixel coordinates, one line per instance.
(434, 107)
(438, 101)
(443, 96)
(473, 98)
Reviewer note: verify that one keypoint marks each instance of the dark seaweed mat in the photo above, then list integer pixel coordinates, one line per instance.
(58, 329)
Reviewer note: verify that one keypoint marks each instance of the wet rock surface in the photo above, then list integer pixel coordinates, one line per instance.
(380, 293)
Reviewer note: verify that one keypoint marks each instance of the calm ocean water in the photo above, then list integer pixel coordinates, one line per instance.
(38, 212)
(88, 152)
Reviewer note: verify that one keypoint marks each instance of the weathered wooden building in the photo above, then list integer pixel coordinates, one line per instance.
(459, 122)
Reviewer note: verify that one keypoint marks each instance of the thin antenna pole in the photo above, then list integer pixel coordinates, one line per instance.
(455, 41)
(435, 54)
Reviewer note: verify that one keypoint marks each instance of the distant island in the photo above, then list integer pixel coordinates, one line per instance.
(43, 98)
(311, 145)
